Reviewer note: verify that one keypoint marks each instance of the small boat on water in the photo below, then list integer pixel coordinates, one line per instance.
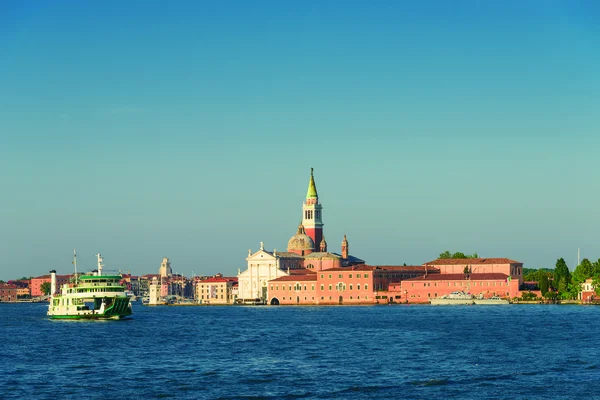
(491, 300)
(131, 295)
(454, 298)
(92, 296)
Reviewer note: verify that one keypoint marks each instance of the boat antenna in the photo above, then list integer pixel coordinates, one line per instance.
(100, 259)
(75, 263)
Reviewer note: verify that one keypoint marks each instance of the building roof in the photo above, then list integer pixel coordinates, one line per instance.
(301, 271)
(300, 241)
(407, 268)
(351, 259)
(492, 276)
(360, 267)
(285, 254)
(48, 277)
(6, 286)
(471, 261)
(312, 188)
(216, 279)
(321, 255)
(296, 278)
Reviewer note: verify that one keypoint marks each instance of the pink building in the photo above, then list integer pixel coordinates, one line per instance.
(36, 283)
(425, 288)
(361, 284)
(505, 266)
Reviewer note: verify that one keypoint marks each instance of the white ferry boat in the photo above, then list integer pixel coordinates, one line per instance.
(93, 296)
(458, 298)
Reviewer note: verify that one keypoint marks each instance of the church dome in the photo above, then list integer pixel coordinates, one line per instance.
(300, 241)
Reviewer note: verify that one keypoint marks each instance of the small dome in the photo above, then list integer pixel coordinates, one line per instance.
(301, 241)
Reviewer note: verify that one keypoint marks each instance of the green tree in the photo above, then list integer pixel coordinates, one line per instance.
(562, 275)
(544, 283)
(583, 271)
(596, 268)
(596, 284)
(445, 255)
(45, 288)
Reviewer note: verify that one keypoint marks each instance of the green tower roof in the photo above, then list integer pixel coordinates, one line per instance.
(312, 188)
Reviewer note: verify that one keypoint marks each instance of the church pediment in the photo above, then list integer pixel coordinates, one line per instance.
(261, 255)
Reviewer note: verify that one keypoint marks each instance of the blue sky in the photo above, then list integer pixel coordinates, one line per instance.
(187, 130)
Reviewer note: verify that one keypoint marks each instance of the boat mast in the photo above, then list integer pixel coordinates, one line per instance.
(100, 259)
(75, 263)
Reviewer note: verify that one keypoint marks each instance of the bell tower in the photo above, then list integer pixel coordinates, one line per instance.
(312, 213)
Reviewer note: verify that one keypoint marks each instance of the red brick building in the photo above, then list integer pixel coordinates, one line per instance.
(8, 293)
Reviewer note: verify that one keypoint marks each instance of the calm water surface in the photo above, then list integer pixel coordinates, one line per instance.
(387, 352)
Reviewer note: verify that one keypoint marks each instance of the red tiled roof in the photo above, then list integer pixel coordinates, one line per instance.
(361, 267)
(301, 271)
(296, 278)
(406, 268)
(48, 277)
(469, 261)
(5, 286)
(492, 276)
(218, 279)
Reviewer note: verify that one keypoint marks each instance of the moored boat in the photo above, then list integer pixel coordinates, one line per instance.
(490, 301)
(92, 296)
(454, 298)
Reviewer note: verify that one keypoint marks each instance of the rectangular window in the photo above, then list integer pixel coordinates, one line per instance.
(329, 276)
(322, 276)
(350, 286)
(312, 287)
(350, 276)
(366, 287)
(366, 275)
(329, 286)
(340, 276)
(322, 288)
(358, 287)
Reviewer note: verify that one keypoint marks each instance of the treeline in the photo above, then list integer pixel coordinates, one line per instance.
(560, 282)
(446, 255)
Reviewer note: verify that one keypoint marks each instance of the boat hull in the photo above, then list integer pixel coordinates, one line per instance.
(90, 317)
(451, 302)
(491, 302)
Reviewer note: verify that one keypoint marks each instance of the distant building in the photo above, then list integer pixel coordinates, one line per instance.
(36, 283)
(505, 266)
(165, 268)
(306, 250)
(423, 289)
(216, 290)
(22, 286)
(588, 291)
(8, 293)
(360, 284)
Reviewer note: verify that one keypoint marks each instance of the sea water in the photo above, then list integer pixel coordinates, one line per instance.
(345, 352)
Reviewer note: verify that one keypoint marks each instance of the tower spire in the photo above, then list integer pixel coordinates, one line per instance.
(312, 218)
(312, 188)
